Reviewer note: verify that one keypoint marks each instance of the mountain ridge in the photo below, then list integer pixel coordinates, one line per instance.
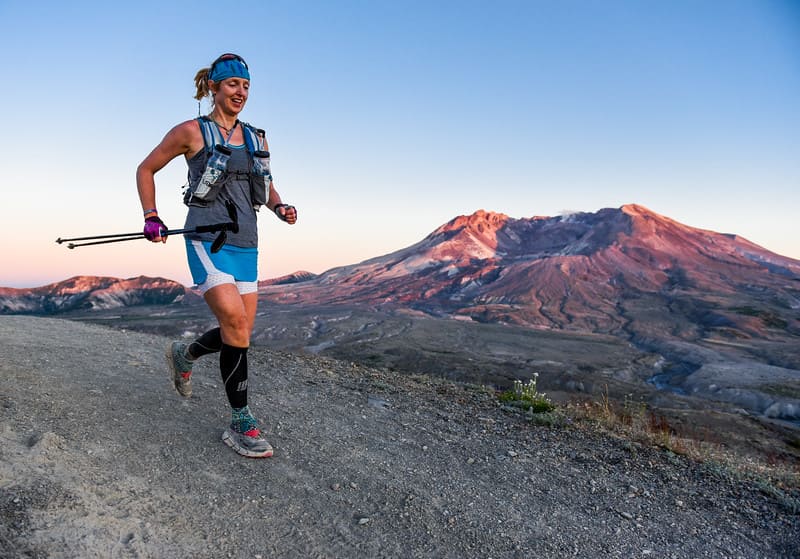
(572, 271)
(90, 292)
(578, 271)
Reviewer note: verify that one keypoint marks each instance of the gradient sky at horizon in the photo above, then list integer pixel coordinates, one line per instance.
(387, 119)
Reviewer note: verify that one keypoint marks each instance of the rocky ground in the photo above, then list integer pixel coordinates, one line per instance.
(100, 458)
(724, 394)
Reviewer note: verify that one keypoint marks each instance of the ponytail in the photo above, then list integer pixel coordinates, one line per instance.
(201, 83)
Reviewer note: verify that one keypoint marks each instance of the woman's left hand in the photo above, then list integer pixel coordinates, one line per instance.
(286, 213)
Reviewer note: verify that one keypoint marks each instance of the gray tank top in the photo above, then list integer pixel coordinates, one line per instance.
(237, 190)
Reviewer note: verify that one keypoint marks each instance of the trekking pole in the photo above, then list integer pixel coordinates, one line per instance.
(223, 228)
(115, 240)
(135, 235)
(213, 228)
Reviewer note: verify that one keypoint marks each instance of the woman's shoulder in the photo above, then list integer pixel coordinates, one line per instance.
(185, 137)
(184, 132)
(188, 129)
(187, 126)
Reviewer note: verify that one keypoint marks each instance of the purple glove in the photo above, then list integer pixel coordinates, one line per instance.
(153, 228)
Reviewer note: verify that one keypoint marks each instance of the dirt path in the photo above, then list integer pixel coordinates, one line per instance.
(99, 458)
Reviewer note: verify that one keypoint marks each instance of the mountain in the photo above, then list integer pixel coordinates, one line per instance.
(90, 293)
(625, 271)
(695, 313)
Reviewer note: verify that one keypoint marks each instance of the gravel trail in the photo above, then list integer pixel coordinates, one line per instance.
(100, 458)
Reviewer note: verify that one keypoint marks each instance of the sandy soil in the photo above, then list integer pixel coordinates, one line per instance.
(100, 458)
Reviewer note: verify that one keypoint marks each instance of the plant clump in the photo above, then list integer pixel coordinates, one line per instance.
(527, 397)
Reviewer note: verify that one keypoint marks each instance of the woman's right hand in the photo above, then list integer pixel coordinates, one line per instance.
(154, 229)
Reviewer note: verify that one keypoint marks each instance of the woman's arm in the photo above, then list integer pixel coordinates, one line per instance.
(181, 140)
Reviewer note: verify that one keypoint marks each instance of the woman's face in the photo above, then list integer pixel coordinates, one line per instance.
(231, 95)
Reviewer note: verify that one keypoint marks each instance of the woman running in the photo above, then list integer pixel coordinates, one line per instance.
(228, 164)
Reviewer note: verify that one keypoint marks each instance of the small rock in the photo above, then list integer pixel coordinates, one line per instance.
(336, 487)
(626, 515)
(353, 485)
(362, 521)
(513, 453)
(470, 460)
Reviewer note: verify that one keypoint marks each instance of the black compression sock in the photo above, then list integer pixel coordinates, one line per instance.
(210, 342)
(233, 367)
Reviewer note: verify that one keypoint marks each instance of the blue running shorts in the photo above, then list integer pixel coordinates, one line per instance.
(231, 264)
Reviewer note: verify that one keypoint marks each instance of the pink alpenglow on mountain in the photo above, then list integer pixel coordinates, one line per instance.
(90, 292)
(582, 271)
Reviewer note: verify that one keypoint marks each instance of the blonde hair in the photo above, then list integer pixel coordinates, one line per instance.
(201, 83)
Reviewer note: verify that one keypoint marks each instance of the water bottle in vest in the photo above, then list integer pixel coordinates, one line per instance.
(216, 166)
(261, 163)
(260, 178)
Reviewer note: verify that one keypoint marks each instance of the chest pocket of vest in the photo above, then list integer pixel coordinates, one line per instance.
(213, 178)
(260, 175)
(260, 178)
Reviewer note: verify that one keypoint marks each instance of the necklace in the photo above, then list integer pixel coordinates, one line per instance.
(227, 130)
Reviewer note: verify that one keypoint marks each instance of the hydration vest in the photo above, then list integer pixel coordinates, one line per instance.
(259, 175)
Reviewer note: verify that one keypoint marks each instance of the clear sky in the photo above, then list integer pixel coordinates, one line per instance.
(388, 118)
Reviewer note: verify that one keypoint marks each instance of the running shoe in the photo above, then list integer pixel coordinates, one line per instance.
(250, 443)
(180, 367)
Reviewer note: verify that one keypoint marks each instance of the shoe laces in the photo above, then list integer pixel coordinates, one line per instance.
(243, 421)
(179, 356)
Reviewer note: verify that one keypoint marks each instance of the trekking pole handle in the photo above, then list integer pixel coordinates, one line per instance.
(213, 228)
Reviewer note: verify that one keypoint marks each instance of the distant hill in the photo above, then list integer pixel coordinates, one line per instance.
(296, 277)
(90, 293)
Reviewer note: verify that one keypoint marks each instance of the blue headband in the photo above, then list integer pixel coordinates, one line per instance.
(231, 68)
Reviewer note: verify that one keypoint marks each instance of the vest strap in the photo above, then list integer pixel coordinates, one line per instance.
(211, 134)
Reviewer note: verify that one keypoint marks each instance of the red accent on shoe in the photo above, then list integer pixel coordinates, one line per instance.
(186, 375)
(252, 433)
